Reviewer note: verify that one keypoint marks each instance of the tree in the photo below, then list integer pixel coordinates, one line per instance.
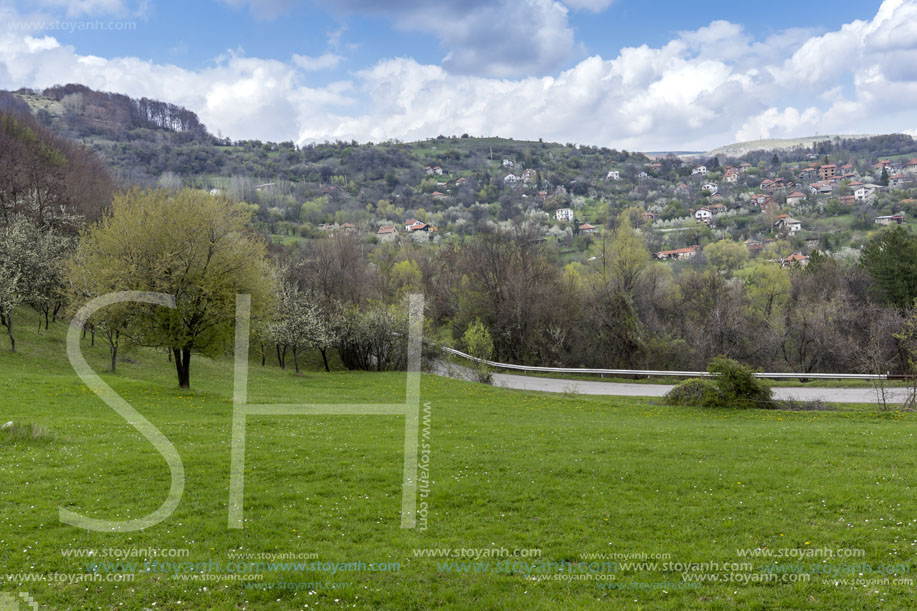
(188, 244)
(629, 257)
(479, 344)
(299, 325)
(30, 268)
(883, 179)
(725, 255)
(891, 260)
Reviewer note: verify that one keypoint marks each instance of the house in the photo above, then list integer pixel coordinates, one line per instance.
(754, 246)
(642, 175)
(846, 200)
(648, 216)
(508, 163)
(348, 227)
(888, 220)
(910, 167)
(678, 253)
(387, 233)
(767, 185)
(702, 170)
(703, 215)
(758, 199)
(613, 175)
(795, 198)
(798, 259)
(711, 188)
(897, 181)
(461, 181)
(511, 179)
(438, 195)
(588, 229)
(681, 189)
(732, 175)
(769, 204)
(438, 171)
(216, 192)
(788, 224)
(529, 176)
(821, 188)
(827, 172)
(864, 193)
(808, 174)
(265, 187)
(717, 208)
(564, 214)
(428, 170)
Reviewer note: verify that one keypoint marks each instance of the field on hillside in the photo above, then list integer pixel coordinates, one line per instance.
(541, 501)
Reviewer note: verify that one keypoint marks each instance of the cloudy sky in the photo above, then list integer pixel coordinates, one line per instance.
(632, 74)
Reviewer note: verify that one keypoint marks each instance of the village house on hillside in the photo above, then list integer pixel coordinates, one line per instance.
(678, 253)
(387, 233)
(564, 214)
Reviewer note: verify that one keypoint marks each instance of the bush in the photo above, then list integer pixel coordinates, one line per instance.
(478, 343)
(738, 386)
(696, 391)
(732, 385)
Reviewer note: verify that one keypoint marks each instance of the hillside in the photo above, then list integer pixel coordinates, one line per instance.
(739, 149)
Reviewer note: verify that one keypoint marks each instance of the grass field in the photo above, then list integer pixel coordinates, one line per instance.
(572, 476)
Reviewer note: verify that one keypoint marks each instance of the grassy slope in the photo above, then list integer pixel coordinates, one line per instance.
(567, 474)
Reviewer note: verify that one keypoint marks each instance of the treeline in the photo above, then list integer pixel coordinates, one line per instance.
(626, 310)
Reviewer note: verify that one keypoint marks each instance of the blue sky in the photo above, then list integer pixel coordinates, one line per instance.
(633, 74)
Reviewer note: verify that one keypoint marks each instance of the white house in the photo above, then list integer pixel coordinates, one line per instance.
(703, 215)
(701, 169)
(508, 163)
(789, 224)
(613, 175)
(711, 188)
(564, 214)
(864, 193)
(511, 179)
(529, 175)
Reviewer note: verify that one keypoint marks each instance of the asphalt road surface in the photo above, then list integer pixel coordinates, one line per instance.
(808, 393)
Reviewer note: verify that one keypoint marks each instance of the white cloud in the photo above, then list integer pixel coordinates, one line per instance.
(595, 6)
(501, 38)
(326, 61)
(861, 78)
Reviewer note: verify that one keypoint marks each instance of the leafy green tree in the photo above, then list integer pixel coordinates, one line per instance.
(883, 179)
(891, 260)
(477, 341)
(188, 244)
(725, 255)
(628, 256)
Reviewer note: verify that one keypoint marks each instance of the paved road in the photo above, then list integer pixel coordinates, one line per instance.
(519, 382)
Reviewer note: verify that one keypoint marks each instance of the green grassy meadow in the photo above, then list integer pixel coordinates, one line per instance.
(569, 475)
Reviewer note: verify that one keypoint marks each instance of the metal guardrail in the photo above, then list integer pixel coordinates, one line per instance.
(663, 373)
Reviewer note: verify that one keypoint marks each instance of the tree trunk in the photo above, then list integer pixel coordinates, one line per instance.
(183, 366)
(263, 354)
(296, 359)
(46, 319)
(324, 352)
(282, 356)
(92, 335)
(8, 323)
(113, 349)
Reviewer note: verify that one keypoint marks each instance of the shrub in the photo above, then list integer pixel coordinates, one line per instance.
(732, 385)
(738, 386)
(478, 343)
(696, 391)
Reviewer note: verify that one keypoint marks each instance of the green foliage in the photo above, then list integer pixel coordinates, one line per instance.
(891, 260)
(732, 386)
(479, 344)
(725, 255)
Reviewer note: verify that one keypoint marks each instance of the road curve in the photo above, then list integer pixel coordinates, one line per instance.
(622, 389)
